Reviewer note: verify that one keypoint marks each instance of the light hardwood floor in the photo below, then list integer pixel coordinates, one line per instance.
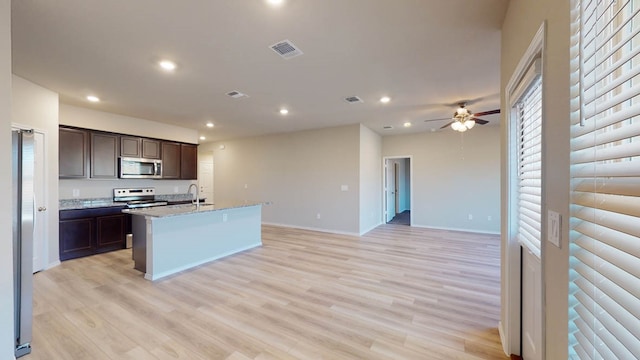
(398, 292)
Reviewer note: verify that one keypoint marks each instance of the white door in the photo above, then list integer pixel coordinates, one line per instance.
(40, 204)
(531, 306)
(205, 180)
(390, 189)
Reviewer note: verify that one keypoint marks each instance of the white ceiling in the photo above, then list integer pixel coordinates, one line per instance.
(424, 54)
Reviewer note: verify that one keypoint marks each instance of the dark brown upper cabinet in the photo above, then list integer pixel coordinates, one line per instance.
(170, 160)
(139, 147)
(151, 149)
(73, 153)
(104, 156)
(188, 161)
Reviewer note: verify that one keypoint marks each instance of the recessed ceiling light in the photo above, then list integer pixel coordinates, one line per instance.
(275, 2)
(93, 98)
(385, 99)
(203, 138)
(210, 125)
(167, 65)
(407, 124)
(284, 111)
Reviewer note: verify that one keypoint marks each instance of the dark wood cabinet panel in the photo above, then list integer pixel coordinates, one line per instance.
(86, 232)
(130, 146)
(76, 238)
(150, 149)
(139, 147)
(188, 161)
(72, 155)
(104, 156)
(170, 160)
(110, 233)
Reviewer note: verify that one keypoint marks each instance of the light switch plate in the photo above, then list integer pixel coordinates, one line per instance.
(344, 188)
(554, 227)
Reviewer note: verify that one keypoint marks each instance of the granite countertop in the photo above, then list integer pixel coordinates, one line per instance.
(89, 203)
(75, 204)
(173, 210)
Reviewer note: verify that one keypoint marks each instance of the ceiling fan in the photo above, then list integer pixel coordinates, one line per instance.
(464, 120)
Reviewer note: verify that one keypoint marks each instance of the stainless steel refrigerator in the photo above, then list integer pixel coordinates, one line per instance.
(23, 221)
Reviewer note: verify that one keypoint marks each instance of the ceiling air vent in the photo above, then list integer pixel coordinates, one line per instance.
(388, 127)
(353, 99)
(286, 49)
(237, 94)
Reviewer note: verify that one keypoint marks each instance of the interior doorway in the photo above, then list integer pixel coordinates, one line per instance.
(205, 177)
(397, 190)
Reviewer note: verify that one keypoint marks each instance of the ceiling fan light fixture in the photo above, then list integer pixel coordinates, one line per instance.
(469, 124)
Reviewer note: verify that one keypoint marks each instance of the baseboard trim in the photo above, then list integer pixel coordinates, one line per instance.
(503, 340)
(312, 229)
(456, 229)
(52, 265)
(369, 229)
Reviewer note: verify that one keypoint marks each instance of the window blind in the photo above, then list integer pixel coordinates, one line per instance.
(529, 142)
(604, 289)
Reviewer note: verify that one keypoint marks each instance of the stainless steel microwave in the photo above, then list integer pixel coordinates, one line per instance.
(138, 168)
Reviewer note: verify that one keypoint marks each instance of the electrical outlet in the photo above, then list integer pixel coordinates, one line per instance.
(246, 186)
(470, 217)
(76, 192)
(489, 218)
(318, 216)
(175, 189)
(225, 218)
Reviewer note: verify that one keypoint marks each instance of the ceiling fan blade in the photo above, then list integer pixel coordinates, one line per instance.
(490, 112)
(479, 121)
(444, 126)
(447, 118)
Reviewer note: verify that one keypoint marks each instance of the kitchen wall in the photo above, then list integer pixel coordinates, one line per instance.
(36, 107)
(370, 179)
(7, 342)
(523, 19)
(301, 173)
(454, 175)
(99, 120)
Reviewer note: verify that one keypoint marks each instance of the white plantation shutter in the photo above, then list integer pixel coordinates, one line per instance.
(529, 142)
(604, 293)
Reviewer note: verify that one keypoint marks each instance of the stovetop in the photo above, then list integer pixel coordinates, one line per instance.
(137, 197)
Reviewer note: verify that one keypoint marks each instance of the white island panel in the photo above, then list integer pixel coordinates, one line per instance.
(182, 241)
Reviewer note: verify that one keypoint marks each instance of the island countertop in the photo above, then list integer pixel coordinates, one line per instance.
(173, 210)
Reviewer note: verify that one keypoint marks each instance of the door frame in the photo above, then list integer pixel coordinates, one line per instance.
(510, 325)
(384, 185)
(45, 196)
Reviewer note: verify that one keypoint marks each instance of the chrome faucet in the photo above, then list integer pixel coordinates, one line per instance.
(197, 200)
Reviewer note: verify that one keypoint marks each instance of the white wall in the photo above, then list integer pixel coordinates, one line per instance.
(370, 179)
(36, 107)
(99, 120)
(523, 19)
(454, 175)
(7, 342)
(301, 173)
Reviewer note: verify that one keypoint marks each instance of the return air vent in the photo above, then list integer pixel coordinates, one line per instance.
(286, 49)
(353, 99)
(387, 127)
(237, 94)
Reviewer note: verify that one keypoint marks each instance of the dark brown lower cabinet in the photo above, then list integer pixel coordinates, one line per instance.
(86, 232)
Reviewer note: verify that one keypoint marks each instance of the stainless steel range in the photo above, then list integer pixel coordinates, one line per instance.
(137, 198)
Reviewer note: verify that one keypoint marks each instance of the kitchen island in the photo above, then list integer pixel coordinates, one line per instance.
(170, 239)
